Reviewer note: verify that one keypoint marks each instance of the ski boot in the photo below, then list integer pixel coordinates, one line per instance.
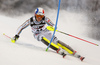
(60, 51)
(78, 56)
(82, 58)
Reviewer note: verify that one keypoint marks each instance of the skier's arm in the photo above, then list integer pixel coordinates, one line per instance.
(49, 22)
(19, 30)
(23, 26)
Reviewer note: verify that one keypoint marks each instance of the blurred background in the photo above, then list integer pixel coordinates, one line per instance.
(90, 7)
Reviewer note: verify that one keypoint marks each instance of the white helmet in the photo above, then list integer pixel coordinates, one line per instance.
(39, 11)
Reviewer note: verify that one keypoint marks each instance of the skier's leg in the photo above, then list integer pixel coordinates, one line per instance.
(65, 47)
(69, 50)
(42, 37)
(53, 46)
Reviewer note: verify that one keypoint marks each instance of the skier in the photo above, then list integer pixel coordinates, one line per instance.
(38, 25)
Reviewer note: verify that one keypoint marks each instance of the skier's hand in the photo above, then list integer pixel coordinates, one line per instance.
(51, 28)
(13, 40)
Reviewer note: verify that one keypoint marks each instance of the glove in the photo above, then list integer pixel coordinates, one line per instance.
(13, 40)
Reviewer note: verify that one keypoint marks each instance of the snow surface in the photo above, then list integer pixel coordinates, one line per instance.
(29, 51)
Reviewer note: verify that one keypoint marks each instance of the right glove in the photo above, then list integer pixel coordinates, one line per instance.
(15, 38)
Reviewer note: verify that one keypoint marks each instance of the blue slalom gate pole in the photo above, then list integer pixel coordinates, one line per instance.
(55, 26)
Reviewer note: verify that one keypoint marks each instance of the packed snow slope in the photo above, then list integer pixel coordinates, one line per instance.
(29, 51)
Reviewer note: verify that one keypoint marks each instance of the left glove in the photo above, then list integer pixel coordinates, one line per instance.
(15, 38)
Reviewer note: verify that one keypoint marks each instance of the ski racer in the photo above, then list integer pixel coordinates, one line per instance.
(38, 25)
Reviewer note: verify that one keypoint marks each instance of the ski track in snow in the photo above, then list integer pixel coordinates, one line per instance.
(28, 51)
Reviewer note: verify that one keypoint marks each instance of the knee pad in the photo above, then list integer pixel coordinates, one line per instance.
(38, 37)
(55, 40)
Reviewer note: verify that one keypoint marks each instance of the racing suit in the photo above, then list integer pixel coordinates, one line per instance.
(42, 34)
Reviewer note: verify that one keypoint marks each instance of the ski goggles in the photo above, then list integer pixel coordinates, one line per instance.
(39, 16)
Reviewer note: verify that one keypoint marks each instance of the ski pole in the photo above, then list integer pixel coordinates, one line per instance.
(55, 25)
(52, 29)
(6, 36)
